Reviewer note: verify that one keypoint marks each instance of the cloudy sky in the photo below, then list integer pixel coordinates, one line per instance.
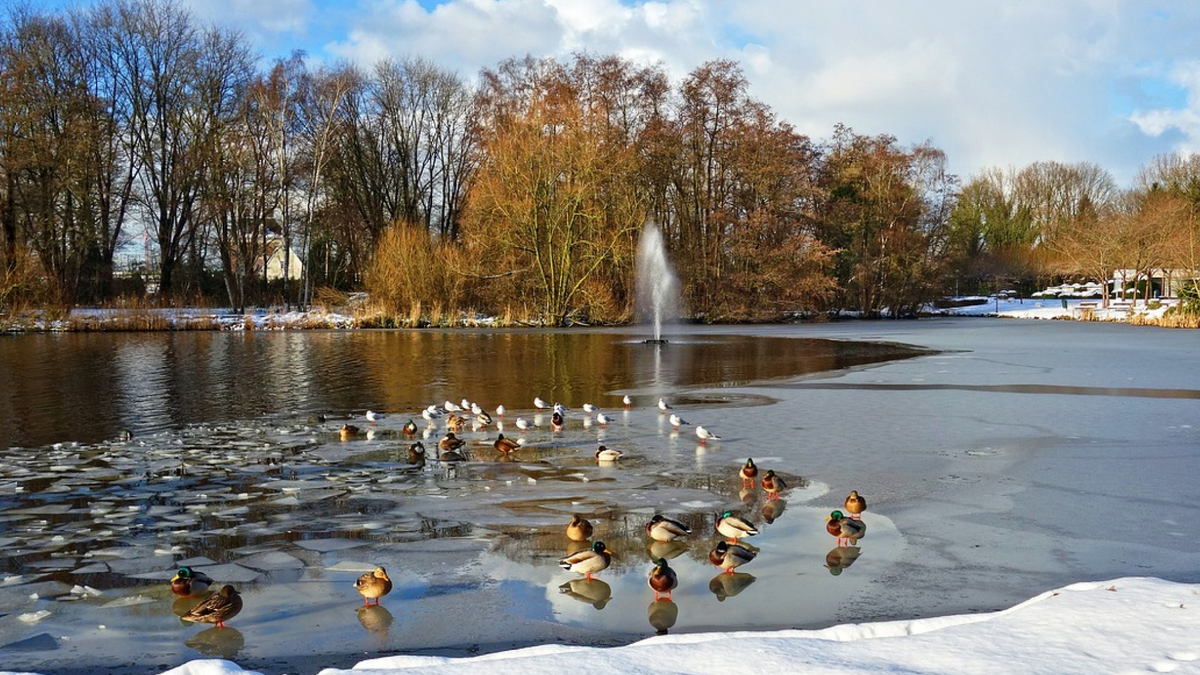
(994, 84)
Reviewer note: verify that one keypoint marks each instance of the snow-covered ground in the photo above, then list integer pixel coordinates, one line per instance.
(1128, 625)
(1055, 308)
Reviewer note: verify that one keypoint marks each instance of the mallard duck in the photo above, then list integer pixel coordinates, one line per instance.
(416, 453)
(735, 527)
(604, 454)
(662, 579)
(483, 419)
(539, 403)
(579, 529)
(855, 504)
(410, 428)
(663, 406)
(705, 435)
(350, 431)
(450, 442)
(772, 484)
(845, 529)
(748, 473)
(589, 562)
(730, 556)
(373, 585)
(216, 608)
(505, 445)
(556, 420)
(661, 528)
(189, 582)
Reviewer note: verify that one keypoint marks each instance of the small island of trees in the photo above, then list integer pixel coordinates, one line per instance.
(146, 155)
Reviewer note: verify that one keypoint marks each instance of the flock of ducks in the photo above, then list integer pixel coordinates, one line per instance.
(219, 607)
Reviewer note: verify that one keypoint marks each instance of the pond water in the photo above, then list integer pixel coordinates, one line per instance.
(235, 465)
(1000, 458)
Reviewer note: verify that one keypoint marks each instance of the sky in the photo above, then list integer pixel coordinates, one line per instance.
(995, 85)
(1130, 625)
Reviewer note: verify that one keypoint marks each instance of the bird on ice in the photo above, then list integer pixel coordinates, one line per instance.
(677, 421)
(627, 401)
(500, 410)
(602, 419)
(705, 435)
(589, 408)
(373, 416)
(663, 406)
(522, 424)
(539, 403)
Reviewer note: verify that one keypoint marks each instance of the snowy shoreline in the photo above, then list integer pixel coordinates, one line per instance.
(1126, 625)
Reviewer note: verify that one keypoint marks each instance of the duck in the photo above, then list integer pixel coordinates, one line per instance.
(855, 505)
(188, 582)
(602, 419)
(216, 608)
(556, 420)
(539, 403)
(662, 579)
(416, 453)
(456, 422)
(505, 445)
(735, 527)
(409, 428)
(705, 435)
(579, 529)
(450, 442)
(661, 528)
(748, 473)
(588, 562)
(350, 431)
(773, 484)
(845, 529)
(482, 418)
(373, 585)
(677, 421)
(663, 406)
(627, 401)
(730, 556)
(604, 454)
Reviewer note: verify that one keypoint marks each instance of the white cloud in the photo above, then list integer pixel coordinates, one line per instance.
(993, 84)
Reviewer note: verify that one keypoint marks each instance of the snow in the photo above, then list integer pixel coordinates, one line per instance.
(1053, 308)
(1127, 625)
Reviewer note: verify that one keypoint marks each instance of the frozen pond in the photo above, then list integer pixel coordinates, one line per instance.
(1017, 457)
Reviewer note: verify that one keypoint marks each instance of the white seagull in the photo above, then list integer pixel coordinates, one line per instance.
(523, 425)
(589, 408)
(500, 410)
(373, 416)
(602, 419)
(539, 403)
(676, 420)
(451, 406)
(628, 401)
(560, 409)
(663, 406)
(704, 435)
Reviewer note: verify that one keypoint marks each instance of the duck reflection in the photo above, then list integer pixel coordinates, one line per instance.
(748, 496)
(221, 642)
(376, 619)
(841, 557)
(729, 584)
(663, 614)
(594, 592)
(773, 509)
(668, 550)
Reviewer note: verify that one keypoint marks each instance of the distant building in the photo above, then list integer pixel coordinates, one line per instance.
(275, 260)
(1164, 283)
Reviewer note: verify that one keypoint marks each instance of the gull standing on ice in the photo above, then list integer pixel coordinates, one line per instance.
(602, 419)
(539, 403)
(627, 401)
(523, 425)
(704, 435)
(589, 408)
(677, 421)
(663, 406)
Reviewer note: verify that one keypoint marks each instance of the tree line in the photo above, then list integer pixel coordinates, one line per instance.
(519, 193)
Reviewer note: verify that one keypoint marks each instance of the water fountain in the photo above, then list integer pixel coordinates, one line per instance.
(656, 285)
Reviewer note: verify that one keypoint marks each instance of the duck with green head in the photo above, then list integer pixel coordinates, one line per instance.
(735, 527)
(188, 581)
(588, 562)
(662, 579)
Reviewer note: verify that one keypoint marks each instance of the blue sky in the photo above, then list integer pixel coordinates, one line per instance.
(999, 84)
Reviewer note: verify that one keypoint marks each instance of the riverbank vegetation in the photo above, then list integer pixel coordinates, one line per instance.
(146, 157)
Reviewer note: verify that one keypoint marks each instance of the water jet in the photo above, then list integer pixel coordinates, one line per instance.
(655, 283)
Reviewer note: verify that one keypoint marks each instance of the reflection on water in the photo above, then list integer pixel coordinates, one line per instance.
(87, 387)
(234, 473)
